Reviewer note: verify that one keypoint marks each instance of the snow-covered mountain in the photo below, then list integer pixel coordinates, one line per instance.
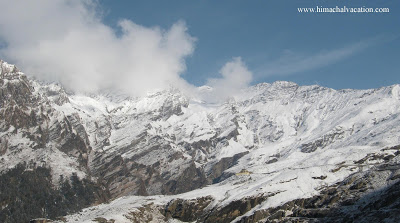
(217, 162)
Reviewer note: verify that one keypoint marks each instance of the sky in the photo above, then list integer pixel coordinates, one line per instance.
(270, 33)
(137, 45)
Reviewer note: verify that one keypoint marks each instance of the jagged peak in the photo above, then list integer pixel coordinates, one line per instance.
(262, 85)
(284, 84)
(276, 84)
(9, 71)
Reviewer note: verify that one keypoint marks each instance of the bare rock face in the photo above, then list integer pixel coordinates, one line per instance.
(199, 210)
(25, 110)
(187, 210)
(3, 145)
(15, 86)
(20, 109)
(173, 106)
(191, 178)
(16, 98)
(216, 174)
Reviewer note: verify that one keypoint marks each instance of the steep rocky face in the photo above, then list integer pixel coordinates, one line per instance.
(199, 209)
(216, 173)
(15, 87)
(187, 210)
(16, 99)
(32, 128)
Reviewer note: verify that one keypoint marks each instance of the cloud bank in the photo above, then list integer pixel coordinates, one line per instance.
(66, 41)
(234, 76)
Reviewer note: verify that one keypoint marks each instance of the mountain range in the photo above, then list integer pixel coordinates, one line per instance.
(275, 152)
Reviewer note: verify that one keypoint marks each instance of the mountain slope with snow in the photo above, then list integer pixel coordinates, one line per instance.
(279, 141)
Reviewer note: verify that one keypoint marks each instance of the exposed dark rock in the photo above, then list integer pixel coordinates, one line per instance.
(187, 210)
(273, 160)
(115, 170)
(216, 174)
(322, 142)
(16, 88)
(103, 220)
(147, 213)
(3, 145)
(191, 178)
(40, 220)
(320, 178)
(234, 209)
(198, 210)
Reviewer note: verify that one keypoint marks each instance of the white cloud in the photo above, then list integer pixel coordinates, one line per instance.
(66, 41)
(235, 76)
(291, 63)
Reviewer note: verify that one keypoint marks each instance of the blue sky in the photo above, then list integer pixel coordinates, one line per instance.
(353, 50)
(140, 46)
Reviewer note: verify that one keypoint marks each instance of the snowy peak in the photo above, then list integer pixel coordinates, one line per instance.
(395, 91)
(284, 84)
(9, 71)
(14, 86)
